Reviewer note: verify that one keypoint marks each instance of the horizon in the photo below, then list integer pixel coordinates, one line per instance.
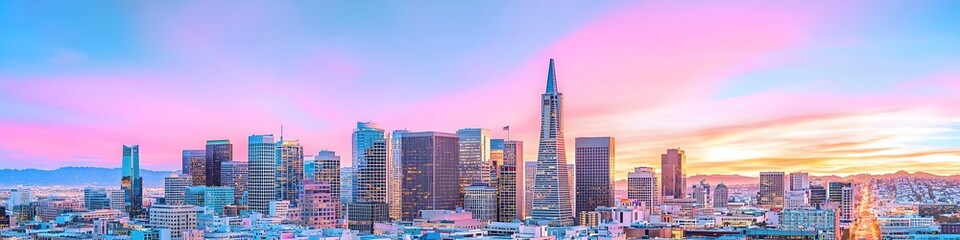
(841, 89)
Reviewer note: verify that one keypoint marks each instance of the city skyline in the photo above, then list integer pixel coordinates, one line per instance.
(735, 108)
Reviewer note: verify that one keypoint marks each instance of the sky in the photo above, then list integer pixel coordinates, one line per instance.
(818, 86)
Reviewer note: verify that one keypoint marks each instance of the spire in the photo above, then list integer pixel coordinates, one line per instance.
(551, 79)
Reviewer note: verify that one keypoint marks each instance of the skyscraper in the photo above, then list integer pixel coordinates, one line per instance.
(529, 180)
(394, 186)
(194, 164)
(327, 170)
(701, 193)
(347, 177)
(720, 196)
(818, 193)
(235, 174)
(510, 183)
(131, 182)
(481, 201)
(551, 203)
(429, 163)
(289, 171)
(594, 172)
(174, 217)
(319, 205)
(495, 161)
(371, 161)
(771, 193)
(117, 199)
(262, 185)
(799, 181)
(218, 152)
(674, 180)
(474, 157)
(842, 193)
(642, 186)
(174, 187)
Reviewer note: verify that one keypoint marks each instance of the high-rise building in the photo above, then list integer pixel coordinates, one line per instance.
(510, 183)
(327, 170)
(594, 172)
(674, 179)
(572, 182)
(835, 191)
(176, 218)
(262, 176)
(818, 193)
(117, 199)
(371, 161)
(395, 176)
(131, 182)
(771, 192)
(529, 180)
(235, 174)
(701, 193)
(474, 157)
(796, 199)
(347, 177)
(799, 181)
(95, 198)
(217, 152)
(319, 204)
(842, 193)
(4, 220)
(174, 187)
(289, 171)
(720, 196)
(551, 203)
(20, 196)
(481, 201)
(212, 199)
(194, 164)
(496, 160)
(643, 186)
(429, 162)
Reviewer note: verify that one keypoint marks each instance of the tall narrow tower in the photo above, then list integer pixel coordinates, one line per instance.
(551, 202)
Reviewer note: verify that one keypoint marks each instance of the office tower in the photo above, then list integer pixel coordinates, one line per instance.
(594, 172)
(131, 182)
(496, 160)
(572, 182)
(347, 176)
(290, 170)
(796, 199)
(835, 191)
(720, 196)
(174, 187)
(319, 204)
(212, 199)
(429, 163)
(510, 183)
(371, 161)
(217, 152)
(824, 222)
(818, 193)
(117, 197)
(235, 174)
(643, 186)
(846, 203)
(474, 157)
(51, 207)
(799, 181)
(262, 176)
(529, 180)
(95, 198)
(327, 170)
(674, 180)
(176, 218)
(394, 186)
(771, 190)
(481, 201)
(194, 164)
(551, 204)
(701, 193)
(21, 196)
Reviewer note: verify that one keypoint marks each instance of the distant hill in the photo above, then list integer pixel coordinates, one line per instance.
(76, 176)
(714, 179)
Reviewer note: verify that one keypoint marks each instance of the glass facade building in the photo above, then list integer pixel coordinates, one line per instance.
(552, 198)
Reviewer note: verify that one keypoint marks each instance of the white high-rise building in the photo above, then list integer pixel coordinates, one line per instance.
(643, 186)
(799, 181)
(552, 203)
(482, 202)
(261, 172)
(116, 199)
(174, 187)
(796, 199)
(176, 218)
(701, 193)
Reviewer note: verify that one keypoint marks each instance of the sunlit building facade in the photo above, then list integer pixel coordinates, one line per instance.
(552, 201)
